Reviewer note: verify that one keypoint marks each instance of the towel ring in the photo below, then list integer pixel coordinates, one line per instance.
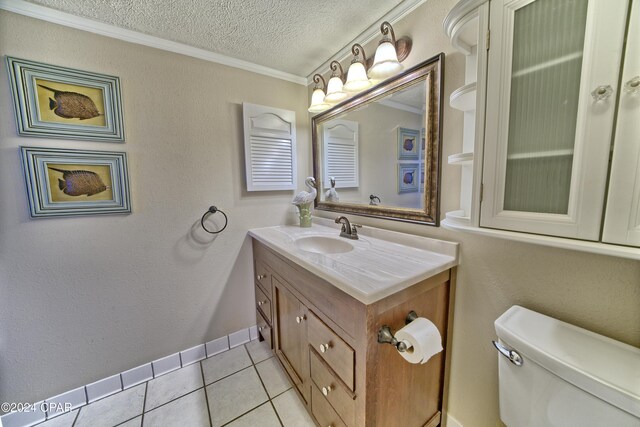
(213, 210)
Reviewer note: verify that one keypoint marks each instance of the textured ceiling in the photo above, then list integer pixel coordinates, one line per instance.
(287, 35)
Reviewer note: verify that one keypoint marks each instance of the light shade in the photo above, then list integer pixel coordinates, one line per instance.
(356, 78)
(335, 92)
(317, 97)
(385, 63)
(317, 101)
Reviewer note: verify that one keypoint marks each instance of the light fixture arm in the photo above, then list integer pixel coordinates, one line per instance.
(335, 65)
(357, 49)
(317, 78)
(386, 28)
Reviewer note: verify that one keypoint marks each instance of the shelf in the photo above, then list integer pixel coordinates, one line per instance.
(464, 98)
(540, 154)
(461, 25)
(556, 242)
(459, 218)
(461, 159)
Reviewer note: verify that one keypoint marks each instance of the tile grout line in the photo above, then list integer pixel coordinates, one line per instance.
(206, 396)
(144, 402)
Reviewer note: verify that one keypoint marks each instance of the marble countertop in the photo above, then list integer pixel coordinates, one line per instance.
(381, 263)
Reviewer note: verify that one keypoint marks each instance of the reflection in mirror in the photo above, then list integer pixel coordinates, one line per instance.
(377, 154)
(392, 131)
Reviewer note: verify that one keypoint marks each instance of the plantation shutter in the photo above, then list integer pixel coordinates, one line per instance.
(340, 140)
(269, 148)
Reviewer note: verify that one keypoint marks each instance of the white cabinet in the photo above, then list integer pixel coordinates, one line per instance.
(622, 217)
(547, 138)
(560, 139)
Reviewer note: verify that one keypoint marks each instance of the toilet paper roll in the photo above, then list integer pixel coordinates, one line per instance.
(422, 338)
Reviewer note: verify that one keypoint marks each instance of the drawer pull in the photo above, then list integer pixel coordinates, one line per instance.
(325, 347)
(262, 302)
(261, 276)
(299, 319)
(326, 390)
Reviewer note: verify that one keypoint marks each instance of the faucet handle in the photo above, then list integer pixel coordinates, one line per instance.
(354, 228)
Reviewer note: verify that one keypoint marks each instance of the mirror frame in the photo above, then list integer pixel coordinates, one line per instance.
(432, 70)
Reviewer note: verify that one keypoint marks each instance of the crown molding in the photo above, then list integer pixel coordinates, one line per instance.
(371, 33)
(62, 18)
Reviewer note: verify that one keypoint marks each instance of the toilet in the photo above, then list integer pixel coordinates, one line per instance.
(553, 374)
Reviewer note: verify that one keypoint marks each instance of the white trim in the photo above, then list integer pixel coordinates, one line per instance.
(556, 242)
(62, 18)
(371, 33)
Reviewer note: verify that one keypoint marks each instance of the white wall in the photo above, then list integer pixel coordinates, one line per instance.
(84, 298)
(596, 292)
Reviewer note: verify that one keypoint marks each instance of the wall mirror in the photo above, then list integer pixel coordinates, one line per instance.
(378, 153)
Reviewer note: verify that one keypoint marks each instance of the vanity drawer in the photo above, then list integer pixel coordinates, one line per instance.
(322, 410)
(337, 353)
(263, 328)
(340, 400)
(263, 276)
(263, 303)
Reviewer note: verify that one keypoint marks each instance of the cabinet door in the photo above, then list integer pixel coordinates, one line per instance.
(551, 94)
(291, 335)
(622, 218)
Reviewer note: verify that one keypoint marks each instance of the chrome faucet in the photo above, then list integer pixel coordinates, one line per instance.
(350, 231)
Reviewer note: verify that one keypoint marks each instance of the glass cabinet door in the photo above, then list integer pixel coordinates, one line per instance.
(622, 217)
(551, 91)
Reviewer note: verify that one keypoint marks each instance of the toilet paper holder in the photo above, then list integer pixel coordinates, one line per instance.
(385, 336)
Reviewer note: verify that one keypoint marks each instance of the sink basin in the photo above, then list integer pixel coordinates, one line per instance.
(323, 245)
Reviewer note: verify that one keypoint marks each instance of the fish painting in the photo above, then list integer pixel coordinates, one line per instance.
(408, 144)
(408, 177)
(80, 182)
(72, 105)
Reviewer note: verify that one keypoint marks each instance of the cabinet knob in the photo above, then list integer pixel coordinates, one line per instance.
(326, 390)
(324, 347)
(299, 319)
(602, 92)
(262, 302)
(633, 85)
(260, 328)
(261, 276)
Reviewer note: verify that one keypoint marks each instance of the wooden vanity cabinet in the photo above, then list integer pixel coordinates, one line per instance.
(291, 336)
(326, 341)
(264, 317)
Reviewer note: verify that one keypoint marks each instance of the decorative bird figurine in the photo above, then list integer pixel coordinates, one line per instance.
(304, 197)
(332, 195)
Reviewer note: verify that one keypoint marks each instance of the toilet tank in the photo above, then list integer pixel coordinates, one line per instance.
(569, 377)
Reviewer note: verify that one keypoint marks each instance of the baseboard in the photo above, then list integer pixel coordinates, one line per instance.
(73, 399)
(452, 422)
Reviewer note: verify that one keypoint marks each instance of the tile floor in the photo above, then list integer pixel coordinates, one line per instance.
(242, 387)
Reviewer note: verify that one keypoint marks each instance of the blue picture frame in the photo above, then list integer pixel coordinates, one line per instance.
(408, 144)
(408, 177)
(58, 102)
(62, 182)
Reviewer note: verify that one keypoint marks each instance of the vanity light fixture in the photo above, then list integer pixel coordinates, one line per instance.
(386, 62)
(357, 79)
(317, 97)
(335, 91)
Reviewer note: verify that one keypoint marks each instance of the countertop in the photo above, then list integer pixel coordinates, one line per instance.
(381, 263)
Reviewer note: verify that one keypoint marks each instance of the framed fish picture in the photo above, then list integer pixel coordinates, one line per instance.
(75, 182)
(408, 144)
(408, 177)
(58, 102)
